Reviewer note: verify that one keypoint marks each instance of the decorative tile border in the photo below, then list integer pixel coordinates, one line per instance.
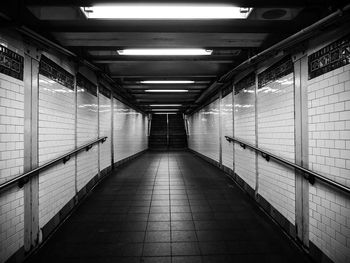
(83, 82)
(246, 82)
(104, 91)
(51, 70)
(333, 56)
(276, 71)
(11, 63)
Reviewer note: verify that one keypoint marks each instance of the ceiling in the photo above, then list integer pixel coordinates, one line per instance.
(232, 41)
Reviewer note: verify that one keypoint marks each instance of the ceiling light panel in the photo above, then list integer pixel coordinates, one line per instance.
(165, 105)
(167, 82)
(165, 11)
(165, 52)
(166, 90)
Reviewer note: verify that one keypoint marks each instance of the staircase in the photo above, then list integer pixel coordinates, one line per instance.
(167, 132)
(177, 132)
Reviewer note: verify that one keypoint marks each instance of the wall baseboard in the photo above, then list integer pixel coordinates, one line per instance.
(65, 212)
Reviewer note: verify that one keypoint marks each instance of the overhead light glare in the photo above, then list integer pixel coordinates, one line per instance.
(166, 81)
(166, 11)
(166, 90)
(165, 52)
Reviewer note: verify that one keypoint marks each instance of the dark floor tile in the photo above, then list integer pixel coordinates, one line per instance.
(160, 209)
(212, 248)
(134, 226)
(220, 259)
(160, 203)
(187, 259)
(210, 235)
(159, 217)
(158, 226)
(207, 225)
(181, 202)
(181, 216)
(130, 237)
(136, 217)
(156, 260)
(156, 249)
(139, 209)
(157, 236)
(180, 209)
(182, 225)
(185, 248)
(183, 236)
(203, 216)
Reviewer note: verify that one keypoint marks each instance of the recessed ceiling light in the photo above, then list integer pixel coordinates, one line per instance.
(165, 105)
(166, 81)
(165, 52)
(166, 90)
(165, 11)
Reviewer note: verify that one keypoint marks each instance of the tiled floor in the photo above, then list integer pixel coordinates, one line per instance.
(168, 207)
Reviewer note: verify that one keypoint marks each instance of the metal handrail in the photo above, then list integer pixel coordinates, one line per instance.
(311, 176)
(23, 178)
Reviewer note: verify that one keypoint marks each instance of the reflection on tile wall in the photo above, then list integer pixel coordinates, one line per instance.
(227, 129)
(105, 119)
(204, 135)
(244, 111)
(56, 137)
(87, 130)
(276, 134)
(128, 132)
(329, 154)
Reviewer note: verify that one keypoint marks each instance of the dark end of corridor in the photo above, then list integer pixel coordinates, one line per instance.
(168, 207)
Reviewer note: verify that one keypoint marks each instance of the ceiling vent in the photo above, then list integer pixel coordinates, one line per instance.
(274, 13)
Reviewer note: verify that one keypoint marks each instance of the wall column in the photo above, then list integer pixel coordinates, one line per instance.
(31, 188)
(301, 148)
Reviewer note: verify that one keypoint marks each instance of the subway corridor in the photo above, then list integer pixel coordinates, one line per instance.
(168, 207)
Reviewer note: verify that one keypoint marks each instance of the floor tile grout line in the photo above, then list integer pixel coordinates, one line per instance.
(149, 211)
(197, 240)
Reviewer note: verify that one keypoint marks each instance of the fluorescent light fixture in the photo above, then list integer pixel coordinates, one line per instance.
(165, 52)
(165, 11)
(166, 90)
(162, 113)
(165, 105)
(165, 110)
(166, 81)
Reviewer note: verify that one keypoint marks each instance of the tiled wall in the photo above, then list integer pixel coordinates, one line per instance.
(56, 136)
(275, 105)
(227, 129)
(244, 119)
(105, 129)
(87, 130)
(11, 157)
(57, 127)
(329, 154)
(129, 131)
(121, 135)
(328, 138)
